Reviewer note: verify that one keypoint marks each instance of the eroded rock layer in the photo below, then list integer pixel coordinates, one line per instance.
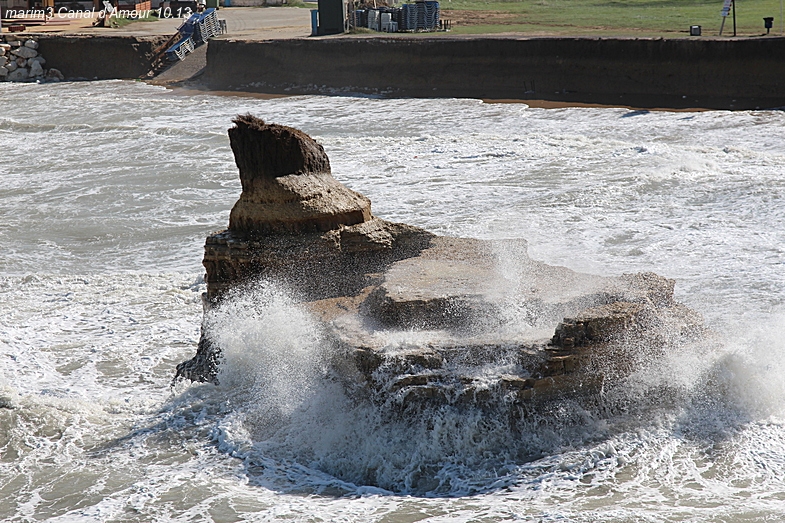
(287, 185)
(421, 320)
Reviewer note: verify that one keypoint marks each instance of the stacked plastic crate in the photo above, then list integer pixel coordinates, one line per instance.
(361, 18)
(206, 26)
(197, 30)
(373, 19)
(432, 13)
(180, 49)
(420, 16)
(408, 17)
(389, 25)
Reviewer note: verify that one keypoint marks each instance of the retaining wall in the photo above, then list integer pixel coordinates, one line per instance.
(696, 72)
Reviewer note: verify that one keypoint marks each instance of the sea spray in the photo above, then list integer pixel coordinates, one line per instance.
(295, 421)
(272, 352)
(289, 405)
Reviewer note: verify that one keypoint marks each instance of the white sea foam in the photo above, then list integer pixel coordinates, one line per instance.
(102, 230)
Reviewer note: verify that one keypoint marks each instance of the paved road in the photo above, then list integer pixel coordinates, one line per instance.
(255, 23)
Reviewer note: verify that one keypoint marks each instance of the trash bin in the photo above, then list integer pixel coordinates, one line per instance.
(314, 22)
(695, 30)
(768, 23)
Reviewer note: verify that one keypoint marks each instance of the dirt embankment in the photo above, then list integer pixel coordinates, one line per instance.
(101, 57)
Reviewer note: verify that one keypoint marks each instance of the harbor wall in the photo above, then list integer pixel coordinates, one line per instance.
(695, 72)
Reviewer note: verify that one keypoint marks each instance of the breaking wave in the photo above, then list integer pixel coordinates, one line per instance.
(299, 423)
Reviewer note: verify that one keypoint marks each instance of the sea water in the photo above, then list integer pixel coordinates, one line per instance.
(110, 188)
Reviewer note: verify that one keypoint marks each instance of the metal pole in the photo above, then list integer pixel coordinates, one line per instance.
(780, 17)
(734, 17)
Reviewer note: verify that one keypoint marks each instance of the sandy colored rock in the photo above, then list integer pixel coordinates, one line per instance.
(421, 320)
(287, 185)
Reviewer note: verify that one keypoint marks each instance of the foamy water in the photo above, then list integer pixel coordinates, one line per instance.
(110, 188)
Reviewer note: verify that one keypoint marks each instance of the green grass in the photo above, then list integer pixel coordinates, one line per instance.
(122, 22)
(669, 18)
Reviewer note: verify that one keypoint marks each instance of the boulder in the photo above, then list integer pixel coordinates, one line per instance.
(55, 74)
(18, 75)
(31, 44)
(2, 51)
(40, 59)
(36, 69)
(24, 52)
(3, 72)
(12, 66)
(21, 62)
(466, 306)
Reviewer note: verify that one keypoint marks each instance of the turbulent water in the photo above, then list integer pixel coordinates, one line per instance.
(109, 189)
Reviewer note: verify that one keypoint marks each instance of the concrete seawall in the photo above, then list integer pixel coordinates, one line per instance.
(712, 73)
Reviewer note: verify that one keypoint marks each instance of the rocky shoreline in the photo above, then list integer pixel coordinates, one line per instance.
(20, 61)
(482, 320)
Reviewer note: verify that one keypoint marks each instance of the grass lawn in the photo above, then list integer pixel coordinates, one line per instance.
(667, 18)
(122, 22)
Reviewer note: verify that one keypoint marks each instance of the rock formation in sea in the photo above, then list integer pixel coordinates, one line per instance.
(487, 321)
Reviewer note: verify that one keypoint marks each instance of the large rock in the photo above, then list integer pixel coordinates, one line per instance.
(18, 75)
(36, 69)
(287, 185)
(466, 306)
(55, 75)
(24, 52)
